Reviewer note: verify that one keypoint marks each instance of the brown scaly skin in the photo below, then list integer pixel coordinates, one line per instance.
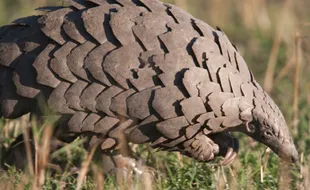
(137, 71)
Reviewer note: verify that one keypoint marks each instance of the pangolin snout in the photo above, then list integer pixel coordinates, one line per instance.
(288, 152)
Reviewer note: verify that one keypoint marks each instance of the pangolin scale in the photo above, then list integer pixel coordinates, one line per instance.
(138, 71)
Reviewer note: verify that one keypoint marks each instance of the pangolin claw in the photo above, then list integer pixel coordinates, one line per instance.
(229, 147)
(227, 156)
(231, 152)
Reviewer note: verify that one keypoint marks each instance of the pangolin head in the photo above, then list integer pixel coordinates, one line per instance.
(269, 127)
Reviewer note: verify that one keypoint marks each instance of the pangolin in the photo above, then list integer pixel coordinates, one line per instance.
(139, 71)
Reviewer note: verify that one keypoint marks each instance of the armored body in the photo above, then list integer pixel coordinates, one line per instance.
(138, 71)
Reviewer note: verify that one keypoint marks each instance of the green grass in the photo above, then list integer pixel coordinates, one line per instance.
(168, 172)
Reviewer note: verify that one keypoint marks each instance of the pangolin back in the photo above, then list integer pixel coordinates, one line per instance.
(143, 69)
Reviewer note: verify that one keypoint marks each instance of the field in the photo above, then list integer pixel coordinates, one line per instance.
(273, 36)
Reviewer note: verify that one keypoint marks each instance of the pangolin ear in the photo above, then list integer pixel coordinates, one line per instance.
(250, 127)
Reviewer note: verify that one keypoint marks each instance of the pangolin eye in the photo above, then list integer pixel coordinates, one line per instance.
(267, 134)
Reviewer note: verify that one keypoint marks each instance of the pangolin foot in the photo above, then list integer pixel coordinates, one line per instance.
(201, 147)
(123, 165)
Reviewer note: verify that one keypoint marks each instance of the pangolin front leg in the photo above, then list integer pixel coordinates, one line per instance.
(206, 147)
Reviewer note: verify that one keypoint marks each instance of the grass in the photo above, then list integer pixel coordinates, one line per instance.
(265, 41)
(167, 173)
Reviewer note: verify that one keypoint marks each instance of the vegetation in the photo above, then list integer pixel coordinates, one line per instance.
(273, 38)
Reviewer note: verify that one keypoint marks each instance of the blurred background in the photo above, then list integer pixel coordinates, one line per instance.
(274, 38)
